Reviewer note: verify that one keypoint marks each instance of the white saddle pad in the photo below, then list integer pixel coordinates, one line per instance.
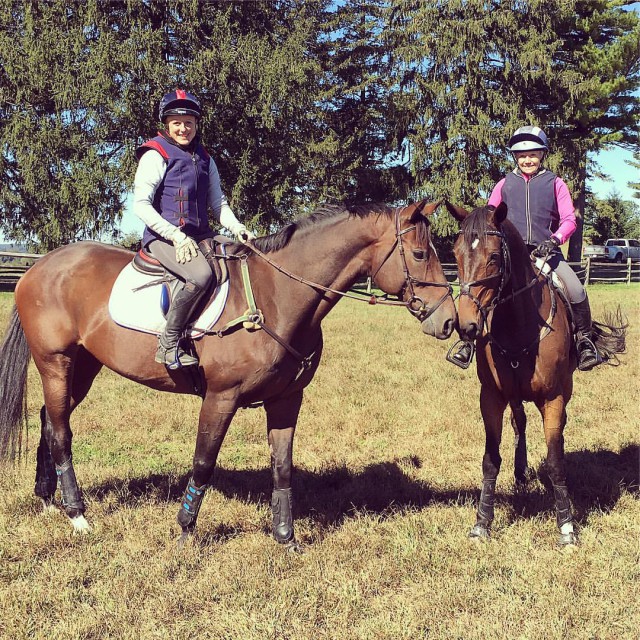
(140, 309)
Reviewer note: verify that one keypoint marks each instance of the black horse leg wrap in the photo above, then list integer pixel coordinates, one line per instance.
(71, 498)
(487, 501)
(46, 476)
(282, 511)
(190, 506)
(563, 504)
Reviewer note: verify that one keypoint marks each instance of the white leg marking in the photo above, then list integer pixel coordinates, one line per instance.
(80, 525)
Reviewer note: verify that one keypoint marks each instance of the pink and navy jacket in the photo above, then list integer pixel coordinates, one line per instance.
(538, 206)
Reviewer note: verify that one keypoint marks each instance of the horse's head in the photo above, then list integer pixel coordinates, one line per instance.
(406, 264)
(483, 264)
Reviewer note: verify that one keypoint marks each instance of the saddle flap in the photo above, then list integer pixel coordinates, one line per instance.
(217, 263)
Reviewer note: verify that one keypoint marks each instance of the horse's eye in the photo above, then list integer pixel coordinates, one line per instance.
(419, 254)
(493, 258)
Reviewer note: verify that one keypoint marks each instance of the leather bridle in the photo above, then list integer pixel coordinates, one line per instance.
(504, 274)
(485, 310)
(414, 303)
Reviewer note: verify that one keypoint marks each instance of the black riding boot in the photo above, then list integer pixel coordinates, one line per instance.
(463, 356)
(588, 356)
(170, 353)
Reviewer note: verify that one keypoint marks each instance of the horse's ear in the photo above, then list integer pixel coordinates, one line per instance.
(427, 208)
(457, 212)
(497, 215)
(421, 208)
(501, 212)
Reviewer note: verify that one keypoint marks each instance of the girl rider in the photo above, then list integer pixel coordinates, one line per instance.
(540, 207)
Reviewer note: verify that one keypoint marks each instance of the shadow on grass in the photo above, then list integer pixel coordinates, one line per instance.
(596, 480)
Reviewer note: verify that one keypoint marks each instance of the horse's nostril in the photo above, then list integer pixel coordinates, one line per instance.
(448, 328)
(469, 330)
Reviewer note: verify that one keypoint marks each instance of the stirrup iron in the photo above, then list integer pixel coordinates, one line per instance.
(459, 363)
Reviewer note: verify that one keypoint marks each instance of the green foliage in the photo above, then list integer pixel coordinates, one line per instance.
(611, 218)
(305, 101)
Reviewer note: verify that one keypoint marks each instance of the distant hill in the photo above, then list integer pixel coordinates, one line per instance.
(18, 248)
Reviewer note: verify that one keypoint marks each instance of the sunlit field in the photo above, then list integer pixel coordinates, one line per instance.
(388, 468)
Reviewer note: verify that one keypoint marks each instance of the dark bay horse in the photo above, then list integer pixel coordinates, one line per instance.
(297, 276)
(525, 351)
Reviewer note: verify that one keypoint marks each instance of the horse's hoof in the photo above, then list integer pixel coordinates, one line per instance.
(185, 537)
(479, 533)
(80, 525)
(293, 547)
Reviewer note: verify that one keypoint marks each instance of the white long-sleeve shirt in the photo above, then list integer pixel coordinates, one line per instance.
(149, 175)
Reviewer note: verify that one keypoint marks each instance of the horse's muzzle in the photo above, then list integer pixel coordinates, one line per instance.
(468, 330)
(441, 322)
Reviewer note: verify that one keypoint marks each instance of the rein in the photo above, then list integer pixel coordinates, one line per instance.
(410, 281)
(486, 310)
(253, 317)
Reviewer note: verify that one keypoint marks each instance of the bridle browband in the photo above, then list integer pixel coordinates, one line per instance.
(505, 275)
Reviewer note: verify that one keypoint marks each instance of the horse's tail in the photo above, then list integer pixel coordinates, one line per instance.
(14, 361)
(610, 336)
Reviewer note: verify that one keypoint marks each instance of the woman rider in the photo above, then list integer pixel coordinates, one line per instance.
(176, 186)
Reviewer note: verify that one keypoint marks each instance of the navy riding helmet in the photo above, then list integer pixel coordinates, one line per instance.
(179, 103)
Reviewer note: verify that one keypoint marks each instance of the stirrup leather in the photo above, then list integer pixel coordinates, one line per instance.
(459, 363)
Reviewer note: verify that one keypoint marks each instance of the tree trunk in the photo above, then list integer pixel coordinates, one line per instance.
(575, 242)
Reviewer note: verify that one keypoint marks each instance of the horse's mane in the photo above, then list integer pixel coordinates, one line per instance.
(318, 218)
(475, 226)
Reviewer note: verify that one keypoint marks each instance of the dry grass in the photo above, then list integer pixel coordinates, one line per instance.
(387, 455)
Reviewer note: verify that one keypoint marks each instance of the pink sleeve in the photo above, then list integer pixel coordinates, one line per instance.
(566, 211)
(496, 195)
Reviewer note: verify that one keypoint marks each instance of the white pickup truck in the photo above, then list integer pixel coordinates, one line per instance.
(614, 250)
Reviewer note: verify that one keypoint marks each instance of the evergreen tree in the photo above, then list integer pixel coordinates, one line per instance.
(635, 184)
(75, 85)
(473, 71)
(359, 158)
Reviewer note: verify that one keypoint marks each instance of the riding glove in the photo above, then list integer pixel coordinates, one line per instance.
(244, 235)
(544, 249)
(186, 247)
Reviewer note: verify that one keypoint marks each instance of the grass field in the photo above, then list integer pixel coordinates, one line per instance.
(388, 467)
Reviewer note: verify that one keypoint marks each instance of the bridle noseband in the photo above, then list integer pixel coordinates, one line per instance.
(414, 303)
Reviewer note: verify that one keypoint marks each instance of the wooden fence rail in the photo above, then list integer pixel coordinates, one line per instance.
(13, 265)
(612, 272)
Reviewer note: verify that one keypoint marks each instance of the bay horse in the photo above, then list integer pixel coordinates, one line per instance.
(298, 274)
(525, 351)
